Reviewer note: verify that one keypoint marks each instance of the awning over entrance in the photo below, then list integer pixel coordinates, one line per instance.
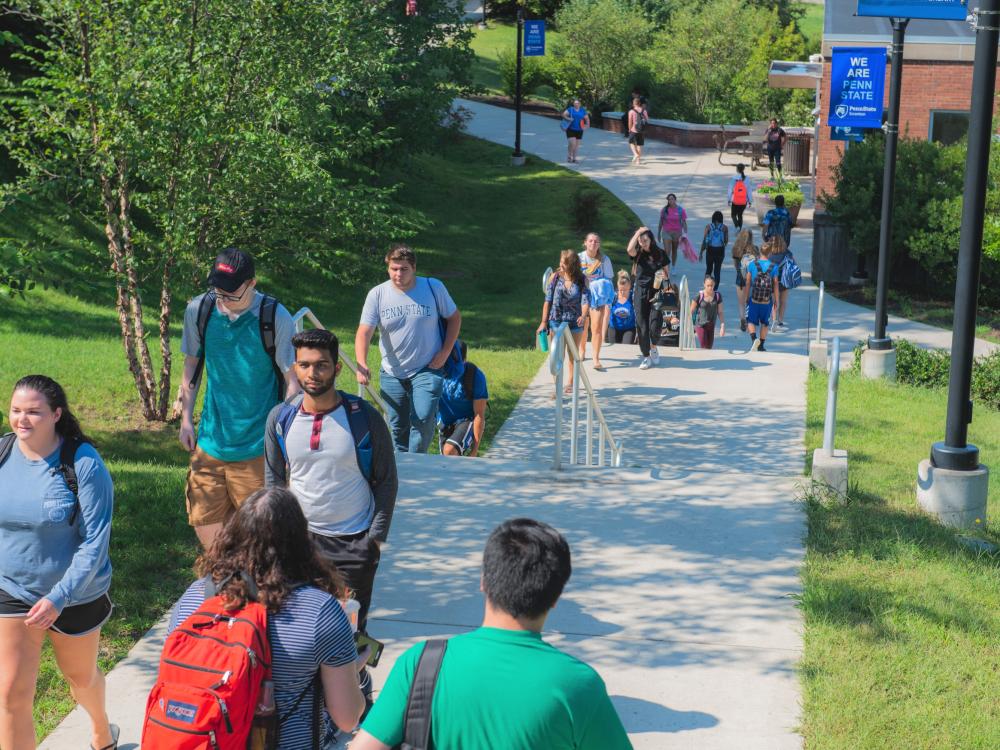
(792, 74)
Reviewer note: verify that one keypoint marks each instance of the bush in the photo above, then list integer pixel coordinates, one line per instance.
(533, 73)
(986, 380)
(788, 188)
(584, 208)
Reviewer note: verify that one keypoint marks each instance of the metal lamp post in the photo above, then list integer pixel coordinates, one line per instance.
(517, 158)
(952, 484)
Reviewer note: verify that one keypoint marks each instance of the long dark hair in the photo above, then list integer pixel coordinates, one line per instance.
(67, 427)
(653, 247)
(574, 269)
(268, 538)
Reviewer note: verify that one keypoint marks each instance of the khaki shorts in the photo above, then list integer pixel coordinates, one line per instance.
(216, 488)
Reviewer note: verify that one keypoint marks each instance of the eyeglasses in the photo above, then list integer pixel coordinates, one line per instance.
(232, 297)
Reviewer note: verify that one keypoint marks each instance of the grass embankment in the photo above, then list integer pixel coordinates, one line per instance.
(493, 229)
(811, 25)
(902, 639)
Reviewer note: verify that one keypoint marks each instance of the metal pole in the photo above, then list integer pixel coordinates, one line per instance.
(880, 340)
(819, 313)
(589, 453)
(830, 423)
(600, 447)
(517, 87)
(557, 458)
(574, 409)
(955, 452)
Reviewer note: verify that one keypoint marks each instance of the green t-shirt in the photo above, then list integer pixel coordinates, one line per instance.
(504, 689)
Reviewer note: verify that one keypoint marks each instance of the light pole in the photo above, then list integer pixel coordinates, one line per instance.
(953, 484)
(517, 158)
(879, 359)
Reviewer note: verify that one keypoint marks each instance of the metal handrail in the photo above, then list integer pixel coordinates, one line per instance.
(559, 345)
(819, 313)
(299, 320)
(685, 340)
(830, 422)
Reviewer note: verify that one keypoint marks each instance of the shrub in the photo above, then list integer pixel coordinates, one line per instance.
(584, 208)
(533, 73)
(986, 380)
(788, 188)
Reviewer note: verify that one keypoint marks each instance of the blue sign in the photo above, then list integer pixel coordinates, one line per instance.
(847, 134)
(942, 10)
(534, 38)
(857, 83)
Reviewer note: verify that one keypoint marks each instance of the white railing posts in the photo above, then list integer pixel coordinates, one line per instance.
(830, 423)
(819, 313)
(685, 340)
(562, 342)
(299, 320)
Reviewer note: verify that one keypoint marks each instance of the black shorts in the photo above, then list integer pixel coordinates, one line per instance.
(637, 139)
(459, 435)
(578, 134)
(78, 619)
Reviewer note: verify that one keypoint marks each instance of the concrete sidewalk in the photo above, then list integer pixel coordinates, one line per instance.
(701, 184)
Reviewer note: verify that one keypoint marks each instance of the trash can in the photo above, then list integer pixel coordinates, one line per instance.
(796, 155)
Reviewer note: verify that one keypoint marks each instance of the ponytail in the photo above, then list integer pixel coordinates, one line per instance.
(68, 427)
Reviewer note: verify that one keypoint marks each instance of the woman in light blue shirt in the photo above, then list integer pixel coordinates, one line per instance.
(575, 121)
(56, 500)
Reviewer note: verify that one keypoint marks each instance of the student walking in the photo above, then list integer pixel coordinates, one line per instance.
(707, 309)
(597, 268)
(56, 502)
(763, 284)
(575, 121)
(567, 300)
(637, 119)
(623, 311)
(648, 260)
(673, 223)
(740, 194)
(774, 142)
(418, 324)
(778, 222)
(780, 256)
(314, 663)
(713, 247)
(744, 252)
(242, 339)
(462, 411)
(503, 686)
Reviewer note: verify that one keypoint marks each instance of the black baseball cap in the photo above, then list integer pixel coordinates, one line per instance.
(232, 268)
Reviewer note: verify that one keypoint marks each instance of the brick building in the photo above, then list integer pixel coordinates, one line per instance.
(937, 78)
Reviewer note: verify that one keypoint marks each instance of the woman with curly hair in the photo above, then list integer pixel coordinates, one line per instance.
(567, 300)
(268, 538)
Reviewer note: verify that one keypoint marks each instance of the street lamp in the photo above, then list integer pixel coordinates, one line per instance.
(517, 158)
(952, 484)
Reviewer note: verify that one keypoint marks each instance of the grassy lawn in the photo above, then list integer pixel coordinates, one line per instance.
(902, 639)
(811, 26)
(493, 230)
(488, 43)
(935, 312)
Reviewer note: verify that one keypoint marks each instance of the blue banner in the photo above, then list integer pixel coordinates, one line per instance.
(857, 85)
(534, 38)
(942, 10)
(847, 134)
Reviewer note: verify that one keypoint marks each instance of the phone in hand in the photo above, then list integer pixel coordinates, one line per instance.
(363, 639)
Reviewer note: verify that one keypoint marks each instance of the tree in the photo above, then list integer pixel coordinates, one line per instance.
(753, 98)
(601, 42)
(186, 125)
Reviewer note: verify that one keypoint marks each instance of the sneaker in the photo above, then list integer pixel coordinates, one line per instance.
(654, 357)
(644, 365)
(761, 348)
(743, 325)
(755, 345)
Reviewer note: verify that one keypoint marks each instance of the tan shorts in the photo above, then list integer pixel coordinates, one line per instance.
(216, 488)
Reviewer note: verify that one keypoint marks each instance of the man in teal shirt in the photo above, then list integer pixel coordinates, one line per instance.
(502, 686)
(224, 332)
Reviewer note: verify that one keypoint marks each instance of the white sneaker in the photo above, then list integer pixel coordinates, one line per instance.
(644, 365)
(754, 345)
(654, 357)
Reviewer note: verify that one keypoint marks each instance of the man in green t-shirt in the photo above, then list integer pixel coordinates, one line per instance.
(502, 686)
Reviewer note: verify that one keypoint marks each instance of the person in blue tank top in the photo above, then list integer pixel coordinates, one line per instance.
(575, 121)
(623, 311)
(56, 501)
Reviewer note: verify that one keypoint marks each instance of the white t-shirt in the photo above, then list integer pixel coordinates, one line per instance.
(334, 495)
(596, 268)
(409, 335)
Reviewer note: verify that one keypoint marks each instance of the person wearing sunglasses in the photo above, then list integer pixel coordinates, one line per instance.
(242, 340)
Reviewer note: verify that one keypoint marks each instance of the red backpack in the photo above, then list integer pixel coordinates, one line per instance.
(211, 672)
(740, 193)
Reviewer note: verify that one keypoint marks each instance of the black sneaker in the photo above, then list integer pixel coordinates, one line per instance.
(761, 347)
(743, 325)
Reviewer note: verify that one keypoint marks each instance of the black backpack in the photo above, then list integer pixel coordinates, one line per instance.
(67, 466)
(640, 122)
(417, 720)
(268, 311)
(763, 285)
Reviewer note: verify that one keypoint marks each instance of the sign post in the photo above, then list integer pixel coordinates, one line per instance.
(953, 485)
(517, 158)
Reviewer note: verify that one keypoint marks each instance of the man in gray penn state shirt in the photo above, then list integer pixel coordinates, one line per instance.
(309, 447)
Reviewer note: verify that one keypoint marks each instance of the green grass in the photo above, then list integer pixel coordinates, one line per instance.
(811, 26)
(902, 638)
(487, 44)
(492, 230)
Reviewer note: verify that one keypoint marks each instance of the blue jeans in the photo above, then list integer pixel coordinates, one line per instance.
(412, 408)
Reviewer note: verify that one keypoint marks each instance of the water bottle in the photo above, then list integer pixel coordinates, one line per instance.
(543, 341)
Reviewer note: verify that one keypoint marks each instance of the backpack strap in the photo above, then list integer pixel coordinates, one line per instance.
(283, 422)
(469, 380)
(417, 720)
(67, 467)
(357, 420)
(204, 314)
(268, 314)
(6, 445)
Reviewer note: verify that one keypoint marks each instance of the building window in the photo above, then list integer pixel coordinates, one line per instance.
(948, 126)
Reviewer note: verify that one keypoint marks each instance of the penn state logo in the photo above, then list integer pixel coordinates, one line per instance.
(841, 111)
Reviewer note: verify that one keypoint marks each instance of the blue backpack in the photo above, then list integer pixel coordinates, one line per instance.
(779, 224)
(454, 366)
(716, 235)
(357, 420)
(791, 274)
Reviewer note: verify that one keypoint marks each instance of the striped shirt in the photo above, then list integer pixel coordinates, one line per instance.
(310, 630)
